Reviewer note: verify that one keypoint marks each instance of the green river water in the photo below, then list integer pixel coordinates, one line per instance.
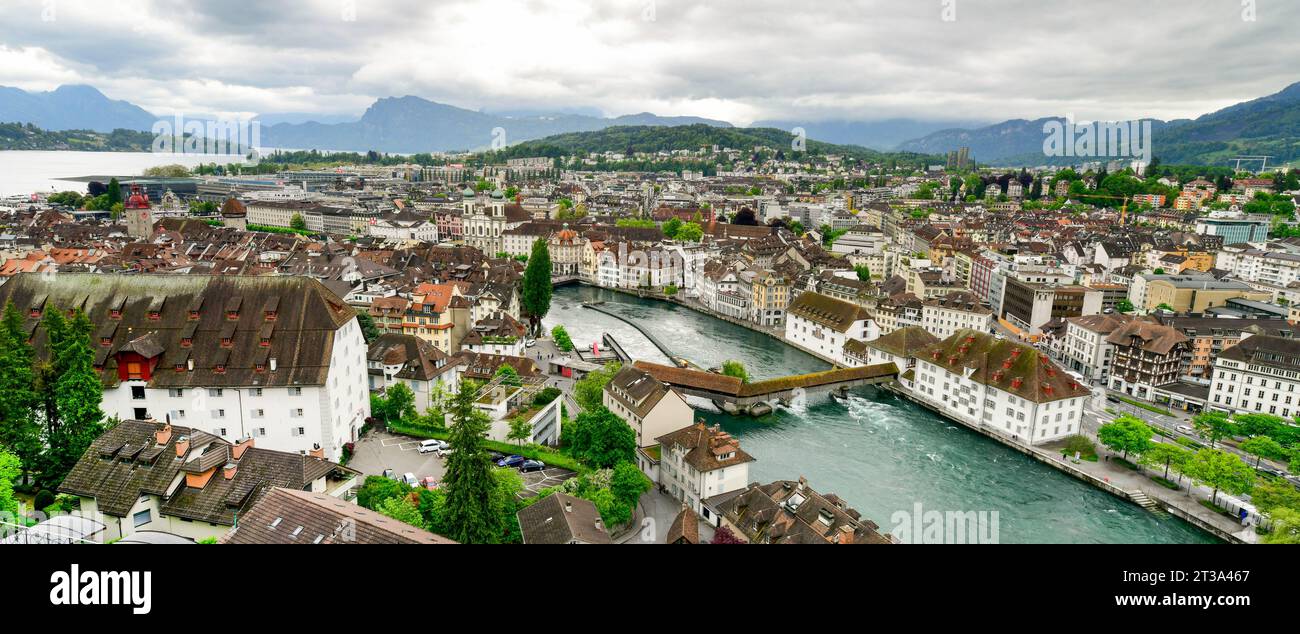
(880, 453)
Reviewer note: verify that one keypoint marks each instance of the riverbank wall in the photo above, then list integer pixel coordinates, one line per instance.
(1051, 459)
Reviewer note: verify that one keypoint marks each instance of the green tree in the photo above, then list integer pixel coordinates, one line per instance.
(20, 429)
(10, 468)
(864, 273)
(561, 338)
(671, 227)
(403, 510)
(400, 403)
(1126, 435)
(520, 430)
(1264, 447)
(628, 483)
(78, 392)
(600, 438)
(537, 288)
(589, 391)
(469, 512)
(297, 223)
(1124, 306)
(1167, 455)
(690, 232)
(1286, 527)
(376, 489)
(735, 369)
(504, 503)
(368, 329)
(1270, 495)
(114, 194)
(508, 375)
(1213, 426)
(1221, 471)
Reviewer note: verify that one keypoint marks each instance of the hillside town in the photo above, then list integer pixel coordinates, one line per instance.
(317, 344)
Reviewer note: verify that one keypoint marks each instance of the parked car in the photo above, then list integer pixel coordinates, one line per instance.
(409, 479)
(390, 474)
(510, 461)
(528, 343)
(531, 465)
(429, 482)
(444, 452)
(495, 455)
(430, 446)
(1187, 429)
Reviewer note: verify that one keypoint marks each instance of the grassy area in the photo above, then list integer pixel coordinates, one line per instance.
(1168, 484)
(1146, 406)
(1082, 446)
(1124, 463)
(551, 457)
(1216, 508)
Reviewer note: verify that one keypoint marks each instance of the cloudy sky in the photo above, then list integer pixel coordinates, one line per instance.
(738, 60)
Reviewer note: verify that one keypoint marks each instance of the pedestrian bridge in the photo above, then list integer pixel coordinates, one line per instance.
(729, 389)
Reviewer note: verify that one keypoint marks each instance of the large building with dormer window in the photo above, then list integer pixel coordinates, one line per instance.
(1000, 386)
(278, 359)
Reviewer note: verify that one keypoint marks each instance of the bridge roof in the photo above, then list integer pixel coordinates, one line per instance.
(732, 386)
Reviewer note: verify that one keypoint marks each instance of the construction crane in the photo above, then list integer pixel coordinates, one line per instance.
(1123, 211)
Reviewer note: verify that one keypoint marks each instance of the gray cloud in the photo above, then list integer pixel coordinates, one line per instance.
(740, 60)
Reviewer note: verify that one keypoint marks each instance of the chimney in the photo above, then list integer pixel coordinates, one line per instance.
(162, 436)
(182, 446)
(273, 364)
(845, 536)
(568, 506)
(228, 472)
(599, 525)
(189, 364)
(317, 452)
(241, 445)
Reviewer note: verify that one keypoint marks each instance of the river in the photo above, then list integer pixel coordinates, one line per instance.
(880, 453)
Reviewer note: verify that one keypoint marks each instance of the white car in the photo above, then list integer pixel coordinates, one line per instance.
(409, 479)
(1186, 429)
(431, 445)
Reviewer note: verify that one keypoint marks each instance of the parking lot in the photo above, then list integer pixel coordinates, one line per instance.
(380, 450)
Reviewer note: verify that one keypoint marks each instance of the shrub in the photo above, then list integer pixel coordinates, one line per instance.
(44, 498)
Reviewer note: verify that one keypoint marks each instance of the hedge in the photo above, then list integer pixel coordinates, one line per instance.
(551, 457)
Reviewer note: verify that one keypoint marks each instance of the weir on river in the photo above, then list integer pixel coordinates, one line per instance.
(881, 453)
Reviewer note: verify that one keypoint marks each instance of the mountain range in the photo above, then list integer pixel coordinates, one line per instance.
(882, 135)
(71, 108)
(1265, 126)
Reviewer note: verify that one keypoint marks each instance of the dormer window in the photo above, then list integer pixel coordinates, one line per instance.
(227, 342)
(187, 342)
(194, 315)
(259, 367)
(105, 341)
(154, 315)
(219, 368)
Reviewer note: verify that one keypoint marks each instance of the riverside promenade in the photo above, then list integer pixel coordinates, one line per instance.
(1118, 480)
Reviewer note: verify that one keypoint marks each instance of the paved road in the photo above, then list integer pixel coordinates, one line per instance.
(654, 516)
(1169, 424)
